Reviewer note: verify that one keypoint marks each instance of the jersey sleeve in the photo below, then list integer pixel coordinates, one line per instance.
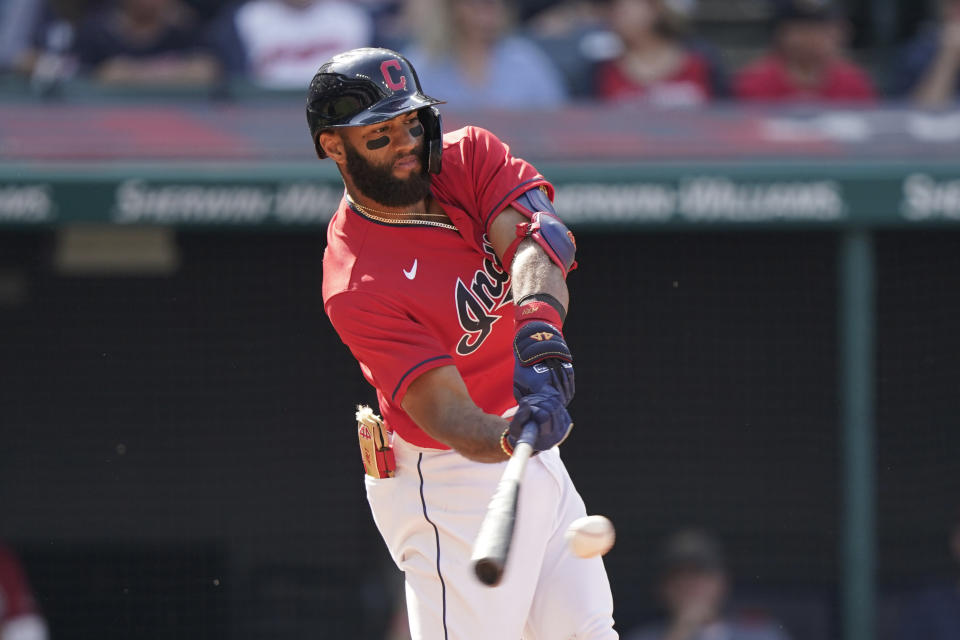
(393, 349)
(498, 177)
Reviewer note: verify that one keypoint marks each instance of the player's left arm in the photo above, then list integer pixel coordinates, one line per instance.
(538, 251)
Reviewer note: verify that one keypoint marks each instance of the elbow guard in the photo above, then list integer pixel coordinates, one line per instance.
(548, 231)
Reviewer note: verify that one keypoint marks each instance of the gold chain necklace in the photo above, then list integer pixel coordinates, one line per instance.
(370, 212)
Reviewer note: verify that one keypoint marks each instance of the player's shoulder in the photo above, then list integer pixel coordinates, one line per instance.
(469, 135)
(342, 253)
(465, 147)
(358, 254)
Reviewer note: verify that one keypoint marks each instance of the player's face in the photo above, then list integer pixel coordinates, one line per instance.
(385, 161)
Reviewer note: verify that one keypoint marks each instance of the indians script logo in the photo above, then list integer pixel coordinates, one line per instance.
(487, 291)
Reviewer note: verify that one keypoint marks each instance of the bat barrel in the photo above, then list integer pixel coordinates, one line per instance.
(496, 531)
(493, 542)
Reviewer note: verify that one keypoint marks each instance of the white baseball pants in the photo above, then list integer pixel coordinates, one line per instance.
(429, 515)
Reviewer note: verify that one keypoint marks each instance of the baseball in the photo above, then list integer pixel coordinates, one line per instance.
(590, 536)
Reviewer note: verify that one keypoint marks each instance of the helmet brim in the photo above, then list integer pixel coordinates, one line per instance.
(388, 109)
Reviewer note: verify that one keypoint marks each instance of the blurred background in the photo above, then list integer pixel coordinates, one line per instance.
(766, 195)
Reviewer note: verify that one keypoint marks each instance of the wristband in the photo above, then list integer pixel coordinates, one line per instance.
(549, 299)
(505, 444)
(536, 311)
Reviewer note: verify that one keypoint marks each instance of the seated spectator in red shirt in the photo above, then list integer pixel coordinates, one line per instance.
(806, 62)
(19, 617)
(655, 67)
(145, 42)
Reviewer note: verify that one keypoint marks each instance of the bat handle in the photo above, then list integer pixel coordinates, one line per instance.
(496, 531)
(528, 436)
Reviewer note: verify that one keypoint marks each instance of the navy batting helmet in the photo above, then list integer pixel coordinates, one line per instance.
(367, 86)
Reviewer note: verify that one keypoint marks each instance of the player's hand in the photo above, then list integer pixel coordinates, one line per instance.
(547, 410)
(541, 355)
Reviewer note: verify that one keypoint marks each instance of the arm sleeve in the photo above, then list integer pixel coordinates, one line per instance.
(392, 348)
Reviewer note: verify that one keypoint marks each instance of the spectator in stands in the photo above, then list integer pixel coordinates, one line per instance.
(575, 36)
(280, 44)
(719, 78)
(658, 65)
(934, 612)
(18, 19)
(389, 25)
(469, 48)
(37, 39)
(145, 42)
(929, 69)
(19, 617)
(806, 61)
(693, 589)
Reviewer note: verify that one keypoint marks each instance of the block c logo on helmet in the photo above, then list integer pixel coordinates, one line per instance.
(394, 85)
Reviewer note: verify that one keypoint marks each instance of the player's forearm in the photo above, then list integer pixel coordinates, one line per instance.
(473, 433)
(533, 272)
(438, 401)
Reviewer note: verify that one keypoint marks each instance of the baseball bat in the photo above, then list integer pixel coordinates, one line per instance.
(492, 545)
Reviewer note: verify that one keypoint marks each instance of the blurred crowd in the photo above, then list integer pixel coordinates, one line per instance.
(481, 53)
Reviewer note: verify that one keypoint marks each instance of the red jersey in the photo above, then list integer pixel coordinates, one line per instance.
(768, 79)
(408, 298)
(688, 85)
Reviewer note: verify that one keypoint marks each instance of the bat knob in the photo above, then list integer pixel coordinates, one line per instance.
(488, 571)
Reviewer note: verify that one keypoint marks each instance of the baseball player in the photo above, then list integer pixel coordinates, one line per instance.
(444, 274)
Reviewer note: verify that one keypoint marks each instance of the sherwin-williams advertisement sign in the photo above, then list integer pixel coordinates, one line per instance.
(641, 196)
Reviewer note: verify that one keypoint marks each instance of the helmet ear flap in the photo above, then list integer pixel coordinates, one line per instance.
(433, 137)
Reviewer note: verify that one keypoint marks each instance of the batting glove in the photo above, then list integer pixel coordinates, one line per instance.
(547, 410)
(541, 355)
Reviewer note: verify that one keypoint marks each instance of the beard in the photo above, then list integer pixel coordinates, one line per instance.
(378, 183)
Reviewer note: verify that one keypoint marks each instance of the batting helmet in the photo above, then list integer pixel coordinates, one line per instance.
(367, 86)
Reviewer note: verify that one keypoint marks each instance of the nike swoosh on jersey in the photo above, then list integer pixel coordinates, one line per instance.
(413, 271)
